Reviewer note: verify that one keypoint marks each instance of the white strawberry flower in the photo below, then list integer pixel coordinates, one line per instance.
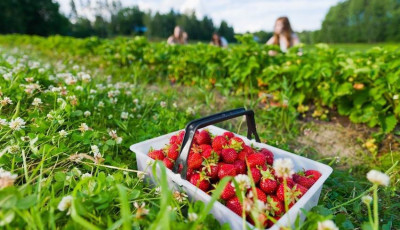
(327, 225)
(283, 167)
(17, 124)
(378, 178)
(65, 204)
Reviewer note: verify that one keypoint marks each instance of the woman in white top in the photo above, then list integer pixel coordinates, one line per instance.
(178, 37)
(283, 36)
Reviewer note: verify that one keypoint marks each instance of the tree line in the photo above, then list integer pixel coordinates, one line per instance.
(42, 17)
(359, 21)
(349, 21)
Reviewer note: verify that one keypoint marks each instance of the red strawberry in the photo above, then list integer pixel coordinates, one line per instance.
(269, 156)
(268, 183)
(300, 189)
(173, 139)
(280, 192)
(229, 155)
(255, 173)
(180, 136)
(189, 173)
(204, 147)
(156, 155)
(203, 137)
(206, 153)
(219, 142)
(260, 195)
(303, 180)
(200, 181)
(168, 163)
(235, 205)
(289, 181)
(226, 170)
(236, 143)
(277, 208)
(313, 174)
(256, 159)
(173, 151)
(240, 167)
(194, 161)
(229, 192)
(228, 135)
(246, 151)
(211, 171)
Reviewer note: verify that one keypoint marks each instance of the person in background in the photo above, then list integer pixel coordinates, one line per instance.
(178, 37)
(218, 40)
(283, 36)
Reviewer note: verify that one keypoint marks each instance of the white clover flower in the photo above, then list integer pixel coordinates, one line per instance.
(17, 124)
(283, 167)
(135, 100)
(180, 197)
(141, 209)
(163, 104)
(3, 122)
(114, 100)
(327, 225)
(379, 178)
(124, 115)
(70, 80)
(141, 175)
(243, 182)
(86, 175)
(13, 149)
(83, 127)
(110, 116)
(366, 199)
(113, 134)
(93, 91)
(65, 204)
(63, 133)
(118, 140)
(190, 111)
(75, 67)
(396, 97)
(49, 116)
(85, 77)
(5, 101)
(37, 101)
(8, 76)
(192, 216)
(175, 105)
(158, 190)
(101, 104)
(79, 88)
(95, 150)
(7, 179)
(171, 209)
(87, 113)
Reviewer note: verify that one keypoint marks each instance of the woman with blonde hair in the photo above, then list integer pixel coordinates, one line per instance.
(178, 37)
(283, 36)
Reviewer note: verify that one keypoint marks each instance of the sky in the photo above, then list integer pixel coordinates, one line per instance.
(243, 15)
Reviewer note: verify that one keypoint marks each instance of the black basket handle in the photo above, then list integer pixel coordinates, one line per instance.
(194, 125)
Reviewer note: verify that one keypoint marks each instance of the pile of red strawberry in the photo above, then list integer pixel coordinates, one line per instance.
(212, 158)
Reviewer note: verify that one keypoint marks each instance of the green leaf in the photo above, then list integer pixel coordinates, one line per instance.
(27, 202)
(388, 123)
(60, 176)
(344, 89)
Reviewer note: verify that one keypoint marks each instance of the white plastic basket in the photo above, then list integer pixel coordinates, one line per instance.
(220, 211)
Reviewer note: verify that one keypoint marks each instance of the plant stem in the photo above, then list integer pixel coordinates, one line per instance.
(376, 215)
